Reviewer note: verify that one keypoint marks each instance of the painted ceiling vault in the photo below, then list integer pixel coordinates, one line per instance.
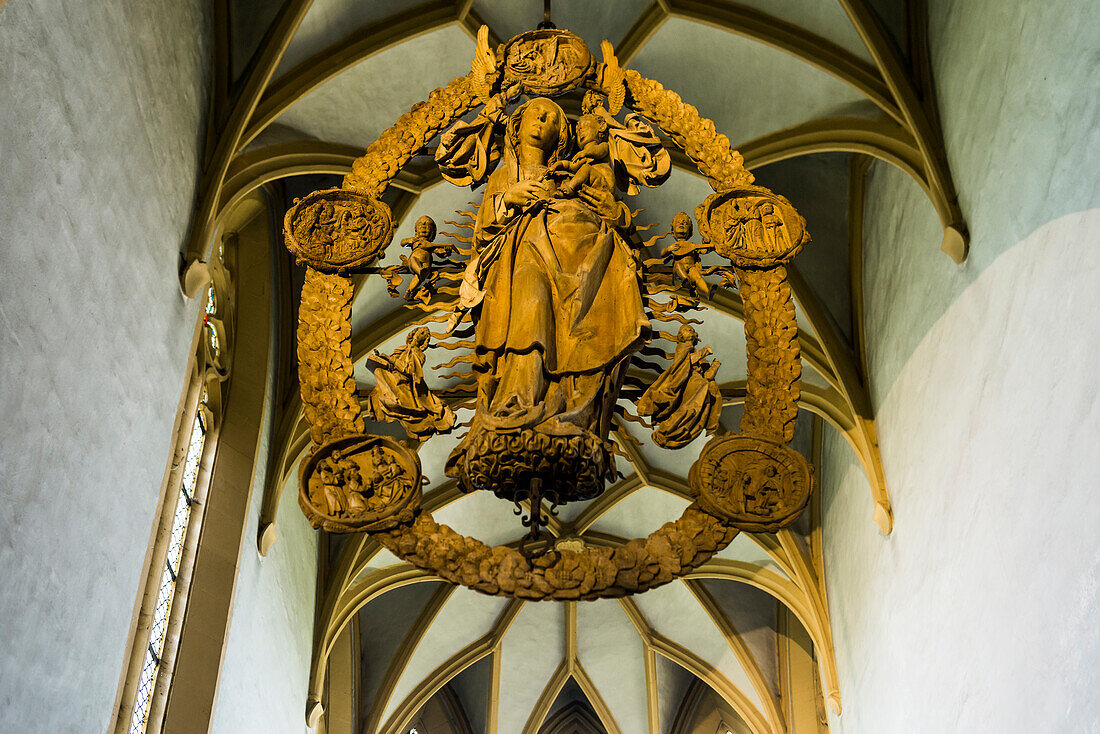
(811, 92)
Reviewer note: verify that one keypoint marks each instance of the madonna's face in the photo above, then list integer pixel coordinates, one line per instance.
(539, 125)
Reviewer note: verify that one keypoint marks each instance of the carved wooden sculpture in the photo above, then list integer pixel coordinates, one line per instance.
(549, 305)
(421, 263)
(684, 399)
(400, 393)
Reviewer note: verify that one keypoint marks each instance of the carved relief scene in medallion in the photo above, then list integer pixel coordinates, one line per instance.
(565, 323)
(336, 230)
(366, 482)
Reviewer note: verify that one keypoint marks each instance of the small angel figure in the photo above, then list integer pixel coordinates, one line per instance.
(663, 395)
(401, 393)
(420, 262)
(683, 253)
(684, 400)
(699, 410)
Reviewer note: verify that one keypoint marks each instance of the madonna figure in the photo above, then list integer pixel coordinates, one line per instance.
(558, 311)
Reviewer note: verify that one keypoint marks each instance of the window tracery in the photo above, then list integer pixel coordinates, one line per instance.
(170, 572)
(211, 327)
(147, 677)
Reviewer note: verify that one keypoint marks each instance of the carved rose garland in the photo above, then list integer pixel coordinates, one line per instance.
(547, 368)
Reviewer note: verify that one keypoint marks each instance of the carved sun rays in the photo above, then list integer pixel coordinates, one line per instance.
(906, 136)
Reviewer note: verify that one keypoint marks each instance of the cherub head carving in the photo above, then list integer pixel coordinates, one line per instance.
(681, 226)
(687, 335)
(418, 337)
(425, 228)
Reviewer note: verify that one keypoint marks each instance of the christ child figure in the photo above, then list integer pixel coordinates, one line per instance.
(591, 130)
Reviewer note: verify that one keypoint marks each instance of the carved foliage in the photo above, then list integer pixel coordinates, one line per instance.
(373, 171)
(336, 230)
(774, 364)
(329, 400)
(594, 573)
(754, 484)
(710, 150)
(360, 483)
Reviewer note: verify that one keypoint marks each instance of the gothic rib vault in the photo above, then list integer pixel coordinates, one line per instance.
(328, 77)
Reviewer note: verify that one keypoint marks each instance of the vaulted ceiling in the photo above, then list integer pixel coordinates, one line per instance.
(810, 91)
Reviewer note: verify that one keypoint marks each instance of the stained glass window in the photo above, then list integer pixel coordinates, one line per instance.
(161, 613)
(212, 333)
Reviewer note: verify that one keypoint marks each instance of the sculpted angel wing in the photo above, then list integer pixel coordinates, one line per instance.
(468, 151)
(637, 155)
(612, 79)
(483, 67)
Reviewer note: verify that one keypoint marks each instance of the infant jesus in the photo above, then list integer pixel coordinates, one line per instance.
(592, 137)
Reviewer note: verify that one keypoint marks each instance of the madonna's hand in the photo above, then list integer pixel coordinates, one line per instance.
(522, 193)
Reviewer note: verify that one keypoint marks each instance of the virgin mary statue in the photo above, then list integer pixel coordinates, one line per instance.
(554, 294)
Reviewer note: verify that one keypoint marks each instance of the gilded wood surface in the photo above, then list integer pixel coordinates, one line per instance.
(324, 357)
(548, 361)
(595, 572)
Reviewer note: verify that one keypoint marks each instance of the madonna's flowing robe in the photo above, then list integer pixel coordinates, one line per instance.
(560, 309)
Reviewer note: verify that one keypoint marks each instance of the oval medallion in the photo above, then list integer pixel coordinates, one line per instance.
(360, 483)
(336, 230)
(751, 483)
(752, 226)
(547, 61)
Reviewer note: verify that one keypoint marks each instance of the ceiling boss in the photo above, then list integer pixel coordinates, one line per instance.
(555, 313)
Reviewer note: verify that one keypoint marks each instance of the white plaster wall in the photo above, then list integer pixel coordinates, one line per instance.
(265, 673)
(101, 113)
(978, 613)
(1018, 86)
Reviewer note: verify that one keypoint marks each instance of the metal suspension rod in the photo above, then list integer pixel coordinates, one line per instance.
(546, 22)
